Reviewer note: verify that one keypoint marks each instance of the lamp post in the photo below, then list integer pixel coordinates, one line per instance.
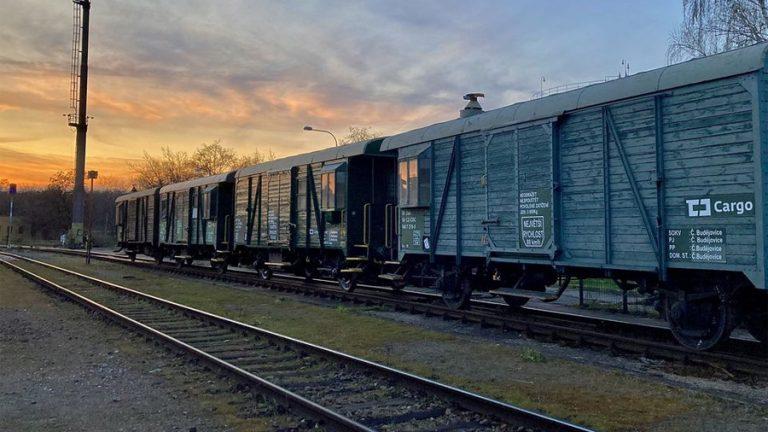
(311, 129)
(12, 193)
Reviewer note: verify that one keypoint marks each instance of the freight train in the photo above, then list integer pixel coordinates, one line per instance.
(657, 180)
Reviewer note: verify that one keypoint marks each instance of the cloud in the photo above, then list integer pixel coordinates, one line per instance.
(254, 72)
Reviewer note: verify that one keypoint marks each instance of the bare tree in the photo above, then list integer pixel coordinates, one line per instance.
(254, 158)
(359, 134)
(713, 26)
(62, 181)
(213, 158)
(170, 167)
(208, 159)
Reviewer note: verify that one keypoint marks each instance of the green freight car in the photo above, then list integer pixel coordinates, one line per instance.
(657, 180)
(195, 220)
(136, 222)
(320, 213)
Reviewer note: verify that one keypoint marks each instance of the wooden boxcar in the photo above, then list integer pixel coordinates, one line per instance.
(195, 220)
(136, 222)
(657, 180)
(320, 212)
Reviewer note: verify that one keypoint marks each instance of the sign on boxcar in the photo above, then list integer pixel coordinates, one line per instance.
(535, 210)
(272, 222)
(696, 244)
(412, 229)
(725, 205)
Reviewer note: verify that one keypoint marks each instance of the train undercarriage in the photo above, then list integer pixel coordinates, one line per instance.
(702, 308)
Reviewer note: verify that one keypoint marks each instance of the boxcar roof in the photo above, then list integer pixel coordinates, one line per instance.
(727, 64)
(344, 151)
(137, 194)
(219, 178)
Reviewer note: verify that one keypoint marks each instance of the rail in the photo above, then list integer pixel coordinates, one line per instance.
(188, 329)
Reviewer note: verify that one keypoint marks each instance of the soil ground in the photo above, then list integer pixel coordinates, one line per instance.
(587, 387)
(64, 369)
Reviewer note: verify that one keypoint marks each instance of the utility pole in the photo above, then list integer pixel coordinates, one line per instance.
(79, 118)
(11, 193)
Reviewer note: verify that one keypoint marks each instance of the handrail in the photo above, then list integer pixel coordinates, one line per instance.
(366, 223)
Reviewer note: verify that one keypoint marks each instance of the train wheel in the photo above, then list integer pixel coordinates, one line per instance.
(348, 281)
(221, 268)
(516, 302)
(701, 320)
(132, 257)
(189, 261)
(265, 273)
(158, 258)
(398, 285)
(179, 263)
(309, 272)
(456, 293)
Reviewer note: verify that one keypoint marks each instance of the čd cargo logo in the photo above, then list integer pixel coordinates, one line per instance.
(731, 205)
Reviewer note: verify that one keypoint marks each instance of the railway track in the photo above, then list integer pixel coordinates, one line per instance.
(742, 358)
(339, 391)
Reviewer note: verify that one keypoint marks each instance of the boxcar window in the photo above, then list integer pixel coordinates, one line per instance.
(415, 177)
(333, 185)
(209, 200)
(403, 170)
(341, 189)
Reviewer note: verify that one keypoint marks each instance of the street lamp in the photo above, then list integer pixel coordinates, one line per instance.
(311, 129)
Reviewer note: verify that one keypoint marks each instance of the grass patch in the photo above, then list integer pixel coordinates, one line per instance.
(532, 355)
(584, 394)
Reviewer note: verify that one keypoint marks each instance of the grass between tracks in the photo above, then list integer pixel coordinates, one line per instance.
(522, 375)
(199, 390)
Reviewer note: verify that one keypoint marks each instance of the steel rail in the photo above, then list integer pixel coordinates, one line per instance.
(631, 339)
(506, 412)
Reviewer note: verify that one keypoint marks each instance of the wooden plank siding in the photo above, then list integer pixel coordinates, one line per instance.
(698, 164)
(707, 148)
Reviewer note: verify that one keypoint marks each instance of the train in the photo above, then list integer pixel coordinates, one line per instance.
(656, 180)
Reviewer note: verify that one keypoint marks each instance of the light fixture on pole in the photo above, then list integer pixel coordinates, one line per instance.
(311, 129)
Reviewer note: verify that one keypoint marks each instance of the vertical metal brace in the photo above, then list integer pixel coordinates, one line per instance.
(316, 207)
(433, 243)
(457, 156)
(249, 211)
(307, 208)
(444, 198)
(556, 186)
(606, 189)
(661, 219)
(260, 204)
(633, 184)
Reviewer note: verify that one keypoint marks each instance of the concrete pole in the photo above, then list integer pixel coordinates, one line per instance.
(78, 199)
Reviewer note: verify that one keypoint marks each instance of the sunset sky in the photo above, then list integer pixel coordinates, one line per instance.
(252, 73)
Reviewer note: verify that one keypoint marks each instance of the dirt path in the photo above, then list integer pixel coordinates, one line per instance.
(65, 370)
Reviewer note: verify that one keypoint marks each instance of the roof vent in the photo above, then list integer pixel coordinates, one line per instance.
(473, 106)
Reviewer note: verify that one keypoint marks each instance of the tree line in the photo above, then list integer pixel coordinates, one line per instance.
(48, 210)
